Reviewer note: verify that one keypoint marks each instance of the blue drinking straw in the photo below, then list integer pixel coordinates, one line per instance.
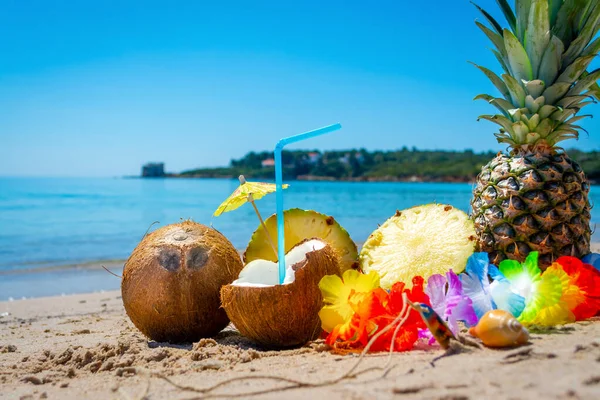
(279, 185)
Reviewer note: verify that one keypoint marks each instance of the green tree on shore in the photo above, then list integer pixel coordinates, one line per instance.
(403, 164)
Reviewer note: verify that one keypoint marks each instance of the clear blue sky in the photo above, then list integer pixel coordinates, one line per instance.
(96, 88)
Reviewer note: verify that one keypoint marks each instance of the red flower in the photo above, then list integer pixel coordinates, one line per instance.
(587, 279)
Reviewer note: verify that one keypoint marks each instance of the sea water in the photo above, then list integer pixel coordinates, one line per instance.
(46, 223)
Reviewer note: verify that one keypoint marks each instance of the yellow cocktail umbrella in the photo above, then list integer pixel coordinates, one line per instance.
(248, 192)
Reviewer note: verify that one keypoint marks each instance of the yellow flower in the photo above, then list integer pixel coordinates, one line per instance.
(336, 293)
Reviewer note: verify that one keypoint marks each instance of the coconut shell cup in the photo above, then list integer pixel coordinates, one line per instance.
(171, 282)
(282, 316)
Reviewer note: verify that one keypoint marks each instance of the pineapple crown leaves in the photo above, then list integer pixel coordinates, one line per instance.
(544, 53)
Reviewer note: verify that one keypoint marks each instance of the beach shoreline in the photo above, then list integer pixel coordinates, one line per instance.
(68, 279)
(85, 265)
(119, 263)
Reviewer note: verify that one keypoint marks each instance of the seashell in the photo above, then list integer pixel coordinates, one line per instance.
(498, 328)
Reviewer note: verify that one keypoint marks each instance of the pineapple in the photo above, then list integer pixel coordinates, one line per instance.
(536, 197)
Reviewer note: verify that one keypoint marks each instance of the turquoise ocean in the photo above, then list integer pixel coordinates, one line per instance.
(51, 228)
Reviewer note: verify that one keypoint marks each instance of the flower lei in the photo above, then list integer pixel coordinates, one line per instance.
(356, 307)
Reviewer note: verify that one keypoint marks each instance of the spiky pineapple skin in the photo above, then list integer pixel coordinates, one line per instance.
(533, 201)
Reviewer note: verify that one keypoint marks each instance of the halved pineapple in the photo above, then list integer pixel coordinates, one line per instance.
(424, 240)
(300, 225)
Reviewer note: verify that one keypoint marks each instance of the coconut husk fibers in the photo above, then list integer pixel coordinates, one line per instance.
(282, 316)
(172, 279)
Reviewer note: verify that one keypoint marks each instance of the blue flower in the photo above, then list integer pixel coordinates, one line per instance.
(486, 296)
(476, 284)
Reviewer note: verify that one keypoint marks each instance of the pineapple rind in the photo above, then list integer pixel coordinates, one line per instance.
(532, 202)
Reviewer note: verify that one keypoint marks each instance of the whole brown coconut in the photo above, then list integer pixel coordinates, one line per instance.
(282, 316)
(172, 279)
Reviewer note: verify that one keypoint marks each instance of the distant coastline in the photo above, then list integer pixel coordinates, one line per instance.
(404, 165)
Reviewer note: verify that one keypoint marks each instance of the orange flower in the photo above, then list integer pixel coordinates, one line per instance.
(375, 310)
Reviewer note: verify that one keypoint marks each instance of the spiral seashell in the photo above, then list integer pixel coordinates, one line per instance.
(498, 328)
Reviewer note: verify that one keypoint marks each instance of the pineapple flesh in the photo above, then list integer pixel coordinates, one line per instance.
(420, 241)
(536, 198)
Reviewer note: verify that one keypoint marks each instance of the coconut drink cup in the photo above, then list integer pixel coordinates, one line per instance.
(172, 279)
(277, 303)
(281, 315)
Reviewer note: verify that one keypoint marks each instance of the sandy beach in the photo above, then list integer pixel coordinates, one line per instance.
(84, 346)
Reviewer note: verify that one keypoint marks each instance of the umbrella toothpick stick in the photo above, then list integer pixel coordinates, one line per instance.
(260, 218)
(262, 222)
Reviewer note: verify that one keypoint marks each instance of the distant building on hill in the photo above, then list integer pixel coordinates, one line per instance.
(153, 170)
(269, 162)
(314, 157)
